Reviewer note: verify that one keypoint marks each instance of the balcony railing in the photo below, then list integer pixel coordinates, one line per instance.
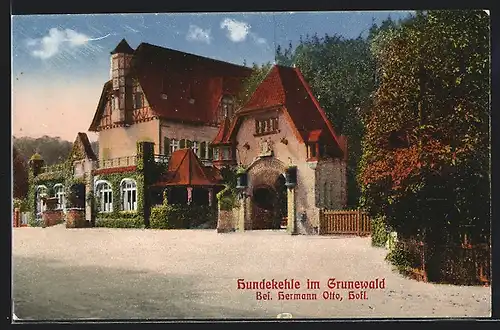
(162, 159)
(118, 162)
(53, 168)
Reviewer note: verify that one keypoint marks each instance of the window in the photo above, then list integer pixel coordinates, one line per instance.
(266, 126)
(203, 150)
(105, 195)
(138, 104)
(225, 154)
(196, 148)
(129, 195)
(41, 192)
(137, 95)
(216, 153)
(174, 145)
(227, 106)
(61, 200)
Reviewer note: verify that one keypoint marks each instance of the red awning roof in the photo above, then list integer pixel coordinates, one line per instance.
(185, 169)
(222, 135)
(314, 135)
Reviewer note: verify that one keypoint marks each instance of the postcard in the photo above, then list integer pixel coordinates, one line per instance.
(242, 166)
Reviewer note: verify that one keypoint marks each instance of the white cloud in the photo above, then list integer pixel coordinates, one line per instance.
(196, 33)
(236, 31)
(58, 41)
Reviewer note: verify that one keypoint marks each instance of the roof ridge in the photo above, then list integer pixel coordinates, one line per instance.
(189, 54)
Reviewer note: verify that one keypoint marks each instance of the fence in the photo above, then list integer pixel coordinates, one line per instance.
(463, 264)
(118, 162)
(352, 222)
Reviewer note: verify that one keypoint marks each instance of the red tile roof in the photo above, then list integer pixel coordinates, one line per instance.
(185, 169)
(222, 135)
(314, 135)
(181, 77)
(285, 87)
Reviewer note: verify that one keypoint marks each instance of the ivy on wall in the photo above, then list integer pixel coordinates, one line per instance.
(114, 180)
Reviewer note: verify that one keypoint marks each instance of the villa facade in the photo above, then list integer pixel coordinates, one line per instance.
(168, 127)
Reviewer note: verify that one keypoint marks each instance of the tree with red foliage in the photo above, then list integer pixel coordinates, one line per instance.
(426, 150)
(20, 172)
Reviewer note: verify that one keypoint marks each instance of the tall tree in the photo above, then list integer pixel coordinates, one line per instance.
(428, 127)
(20, 175)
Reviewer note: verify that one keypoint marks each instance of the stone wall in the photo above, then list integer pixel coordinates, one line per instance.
(52, 217)
(227, 221)
(331, 184)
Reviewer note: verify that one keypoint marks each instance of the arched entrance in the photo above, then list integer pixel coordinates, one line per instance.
(268, 202)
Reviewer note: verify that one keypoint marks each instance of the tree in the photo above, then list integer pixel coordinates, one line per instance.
(20, 173)
(427, 132)
(52, 149)
(251, 83)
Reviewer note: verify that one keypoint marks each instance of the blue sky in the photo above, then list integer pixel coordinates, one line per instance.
(60, 62)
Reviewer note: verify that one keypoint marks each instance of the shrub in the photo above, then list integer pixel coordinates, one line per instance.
(34, 222)
(379, 232)
(120, 222)
(176, 216)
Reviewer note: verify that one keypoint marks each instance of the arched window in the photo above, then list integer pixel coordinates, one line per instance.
(129, 195)
(59, 193)
(41, 191)
(104, 192)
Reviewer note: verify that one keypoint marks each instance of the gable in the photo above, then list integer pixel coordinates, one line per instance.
(82, 148)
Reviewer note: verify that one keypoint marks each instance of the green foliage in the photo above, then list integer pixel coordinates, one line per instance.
(21, 204)
(114, 180)
(124, 222)
(379, 232)
(402, 259)
(427, 133)
(181, 216)
(251, 83)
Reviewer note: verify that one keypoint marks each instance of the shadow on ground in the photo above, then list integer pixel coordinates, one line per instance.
(45, 289)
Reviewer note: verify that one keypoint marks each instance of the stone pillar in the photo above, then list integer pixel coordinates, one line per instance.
(190, 195)
(210, 196)
(292, 212)
(243, 212)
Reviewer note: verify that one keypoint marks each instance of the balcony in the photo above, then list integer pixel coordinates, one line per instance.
(52, 168)
(117, 162)
(161, 159)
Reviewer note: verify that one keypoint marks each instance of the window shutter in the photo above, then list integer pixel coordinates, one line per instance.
(189, 144)
(210, 152)
(182, 143)
(166, 146)
(202, 150)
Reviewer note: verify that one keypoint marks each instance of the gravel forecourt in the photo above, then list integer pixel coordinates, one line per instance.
(99, 273)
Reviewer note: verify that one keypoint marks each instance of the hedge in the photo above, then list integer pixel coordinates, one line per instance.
(120, 222)
(379, 232)
(176, 216)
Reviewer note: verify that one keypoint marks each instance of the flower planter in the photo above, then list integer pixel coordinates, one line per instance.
(75, 218)
(291, 176)
(52, 217)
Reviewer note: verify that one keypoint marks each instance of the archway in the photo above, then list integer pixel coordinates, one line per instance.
(268, 202)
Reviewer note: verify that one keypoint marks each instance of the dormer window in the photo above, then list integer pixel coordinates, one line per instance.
(226, 108)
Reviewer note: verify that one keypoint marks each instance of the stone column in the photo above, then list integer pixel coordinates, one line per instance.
(243, 212)
(210, 196)
(292, 212)
(190, 195)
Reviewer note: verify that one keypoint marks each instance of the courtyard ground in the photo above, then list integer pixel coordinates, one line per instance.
(98, 273)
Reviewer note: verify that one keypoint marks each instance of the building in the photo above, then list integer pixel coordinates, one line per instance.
(166, 120)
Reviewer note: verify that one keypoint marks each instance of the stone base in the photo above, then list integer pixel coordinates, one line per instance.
(226, 222)
(52, 217)
(76, 219)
